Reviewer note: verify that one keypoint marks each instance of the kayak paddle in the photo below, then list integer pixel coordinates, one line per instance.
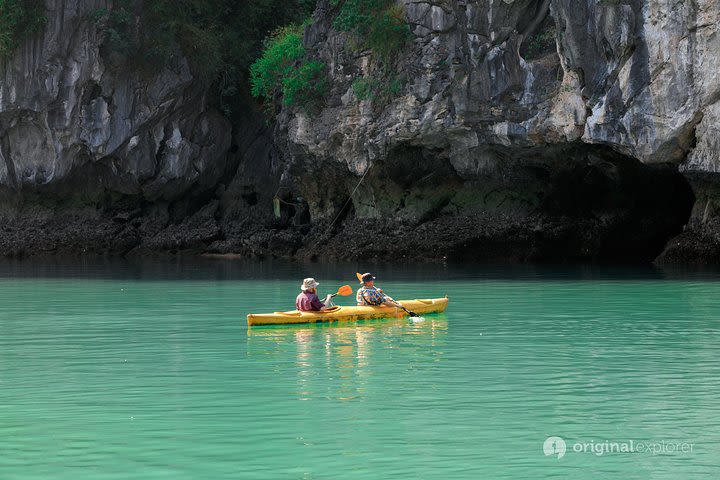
(412, 314)
(343, 291)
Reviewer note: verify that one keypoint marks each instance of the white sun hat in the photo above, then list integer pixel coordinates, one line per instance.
(309, 283)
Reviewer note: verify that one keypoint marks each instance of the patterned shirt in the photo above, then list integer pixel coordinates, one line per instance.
(308, 302)
(370, 296)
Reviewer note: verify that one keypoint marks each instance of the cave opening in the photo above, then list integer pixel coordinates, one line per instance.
(411, 166)
(630, 209)
(593, 205)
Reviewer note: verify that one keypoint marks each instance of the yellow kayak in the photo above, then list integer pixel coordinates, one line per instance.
(338, 313)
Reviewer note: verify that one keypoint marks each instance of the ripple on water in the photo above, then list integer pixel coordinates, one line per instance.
(163, 379)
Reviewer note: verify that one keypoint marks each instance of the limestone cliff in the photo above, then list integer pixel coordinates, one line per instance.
(563, 146)
(515, 129)
(65, 112)
(82, 129)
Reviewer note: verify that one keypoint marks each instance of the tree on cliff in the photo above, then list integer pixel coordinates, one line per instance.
(220, 38)
(18, 19)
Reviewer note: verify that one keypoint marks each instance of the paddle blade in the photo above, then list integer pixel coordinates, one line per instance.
(359, 277)
(345, 290)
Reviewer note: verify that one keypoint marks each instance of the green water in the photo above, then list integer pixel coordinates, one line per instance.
(115, 371)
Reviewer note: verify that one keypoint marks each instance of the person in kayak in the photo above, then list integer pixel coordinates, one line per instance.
(307, 300)
(369, 294)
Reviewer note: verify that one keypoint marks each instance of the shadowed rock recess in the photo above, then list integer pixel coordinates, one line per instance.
(503, 130)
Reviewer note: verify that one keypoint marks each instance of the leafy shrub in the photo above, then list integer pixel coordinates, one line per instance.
(284, 69)
(540, 43)
(306, 85)
(220, 38)
(282, 51)
(18, 20)
(379, 24)
(147, 32)
(118, 28)
(389, 32)
(364, 88)
(374, 89)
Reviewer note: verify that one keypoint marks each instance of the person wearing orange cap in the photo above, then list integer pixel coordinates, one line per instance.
(369, 294)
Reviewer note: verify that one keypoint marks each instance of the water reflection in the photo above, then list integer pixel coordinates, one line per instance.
(337, 360)
(180, 268)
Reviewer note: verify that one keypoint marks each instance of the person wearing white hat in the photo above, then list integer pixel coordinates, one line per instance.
(308, 300)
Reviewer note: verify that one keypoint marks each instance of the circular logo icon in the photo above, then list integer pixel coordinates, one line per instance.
(554, 446)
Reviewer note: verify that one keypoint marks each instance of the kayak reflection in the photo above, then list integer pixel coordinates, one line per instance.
(334, 360)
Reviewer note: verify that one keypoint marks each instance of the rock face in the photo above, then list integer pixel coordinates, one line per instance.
(639, 76)
(81, 128)
(544, 130)
(499, 126)
(66, 110)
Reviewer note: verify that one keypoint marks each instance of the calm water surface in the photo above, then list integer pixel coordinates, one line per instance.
(123, 371)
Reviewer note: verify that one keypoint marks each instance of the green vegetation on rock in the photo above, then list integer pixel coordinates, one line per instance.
(541, 42)
(220, 38)
(373, 89)
(283, 50)
(18, 19)
(283, 68)
(306, 85)
(379, 24)
(364, 88)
